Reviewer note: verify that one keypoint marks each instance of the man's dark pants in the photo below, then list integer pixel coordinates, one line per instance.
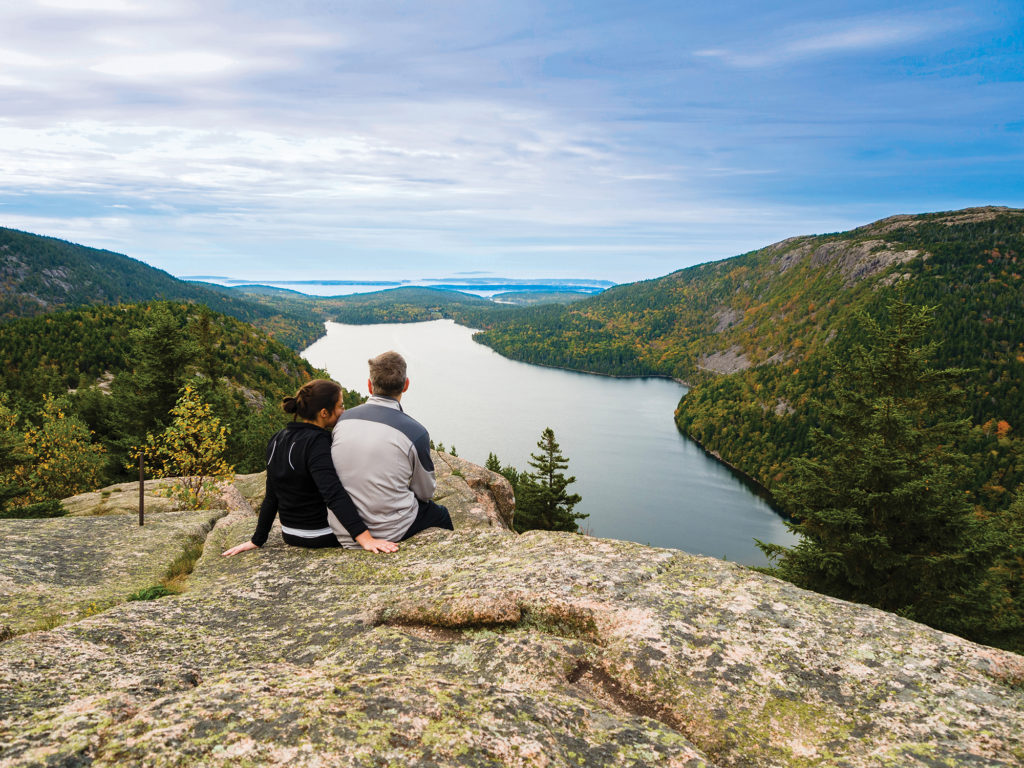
(431, 515)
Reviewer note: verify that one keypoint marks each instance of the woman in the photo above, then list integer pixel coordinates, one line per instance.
(301, 481)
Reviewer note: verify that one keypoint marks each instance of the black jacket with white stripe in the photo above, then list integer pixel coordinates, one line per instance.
(302, 484)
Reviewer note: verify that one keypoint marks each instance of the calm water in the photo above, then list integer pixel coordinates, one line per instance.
(640, 479)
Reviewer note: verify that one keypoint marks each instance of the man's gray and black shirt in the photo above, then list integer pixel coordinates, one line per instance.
(382, 456)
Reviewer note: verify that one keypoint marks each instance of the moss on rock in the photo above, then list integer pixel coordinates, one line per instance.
(483, 648)
(57, 570)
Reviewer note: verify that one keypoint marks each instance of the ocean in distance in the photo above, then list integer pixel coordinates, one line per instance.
(484, 287)
(640, 479)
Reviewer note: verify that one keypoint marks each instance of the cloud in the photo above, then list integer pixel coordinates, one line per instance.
(177, 64)
(341, 134)
(93, 6)
(835, 37)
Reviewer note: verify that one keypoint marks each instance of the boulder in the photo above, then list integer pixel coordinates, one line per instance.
(479, 647)
(475, 497)
(252, 487)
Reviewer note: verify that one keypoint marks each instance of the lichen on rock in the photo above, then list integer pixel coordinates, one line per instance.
(479, 647)
(57, 569)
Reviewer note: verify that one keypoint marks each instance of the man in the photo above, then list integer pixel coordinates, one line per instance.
(382, 456)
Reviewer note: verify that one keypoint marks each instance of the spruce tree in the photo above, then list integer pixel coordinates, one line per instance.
(879, 506)
(161, 352)
(493, 462)
(542, 500)
(1006, 629)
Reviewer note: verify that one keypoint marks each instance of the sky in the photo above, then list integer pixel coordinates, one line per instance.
(324, 139)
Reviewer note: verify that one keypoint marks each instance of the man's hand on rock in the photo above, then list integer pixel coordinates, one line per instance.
(370, 544)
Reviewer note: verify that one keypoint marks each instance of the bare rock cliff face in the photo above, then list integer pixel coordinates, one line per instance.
(477, 647)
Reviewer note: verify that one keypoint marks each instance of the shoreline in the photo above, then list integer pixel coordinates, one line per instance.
(680, 382)
(755, 486)
(748, 481)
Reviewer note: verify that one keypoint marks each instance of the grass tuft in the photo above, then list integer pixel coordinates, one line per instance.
(150, 593)
(179, 570)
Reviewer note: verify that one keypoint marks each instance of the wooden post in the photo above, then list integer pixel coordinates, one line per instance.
(142, 493)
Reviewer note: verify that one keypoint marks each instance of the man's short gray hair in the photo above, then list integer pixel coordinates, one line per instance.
(387, 373)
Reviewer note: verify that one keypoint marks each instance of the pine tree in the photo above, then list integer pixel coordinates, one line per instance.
(191, 448)
(160, 355)
(507, 471)
(542, 500)
(1006, 629)
(880, 508)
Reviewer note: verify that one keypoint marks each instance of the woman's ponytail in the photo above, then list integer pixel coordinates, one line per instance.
(313, 397)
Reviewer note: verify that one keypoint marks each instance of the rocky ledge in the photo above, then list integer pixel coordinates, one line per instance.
(483, 648)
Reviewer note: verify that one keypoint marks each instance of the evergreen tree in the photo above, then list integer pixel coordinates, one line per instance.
(191, 448)
(208, 337)
(880, 508)
(160, 354)
(493, 463)
(509, 472)
(542, 500)
(1006, 629)
(250, 431)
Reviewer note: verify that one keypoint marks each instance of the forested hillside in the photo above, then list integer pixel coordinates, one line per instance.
(752, 333)
(41, 274)
(393, 305)
(120, 369)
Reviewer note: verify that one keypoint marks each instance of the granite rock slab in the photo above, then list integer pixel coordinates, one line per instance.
(57, 569)
(478, 647)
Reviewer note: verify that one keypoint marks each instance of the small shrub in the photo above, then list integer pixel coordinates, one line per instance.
(52, 508)
(191, 449)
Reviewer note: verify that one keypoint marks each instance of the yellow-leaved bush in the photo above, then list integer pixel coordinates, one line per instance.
(190, 449)
(61, 459)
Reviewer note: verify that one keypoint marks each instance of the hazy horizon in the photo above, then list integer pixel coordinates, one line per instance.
(475, 286)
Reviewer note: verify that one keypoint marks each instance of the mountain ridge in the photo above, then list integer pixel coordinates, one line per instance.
(40, 274)
(751, 333)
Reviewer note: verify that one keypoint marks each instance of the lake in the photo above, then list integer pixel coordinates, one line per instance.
(640, 479)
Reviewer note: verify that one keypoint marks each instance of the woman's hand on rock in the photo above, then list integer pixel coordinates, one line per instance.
(240, 548)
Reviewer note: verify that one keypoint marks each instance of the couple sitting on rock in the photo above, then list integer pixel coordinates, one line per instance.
(369, 487)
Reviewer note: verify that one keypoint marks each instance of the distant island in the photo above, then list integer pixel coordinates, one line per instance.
(512, 289)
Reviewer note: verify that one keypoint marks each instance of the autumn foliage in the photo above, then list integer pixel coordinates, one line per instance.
(190, 449)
